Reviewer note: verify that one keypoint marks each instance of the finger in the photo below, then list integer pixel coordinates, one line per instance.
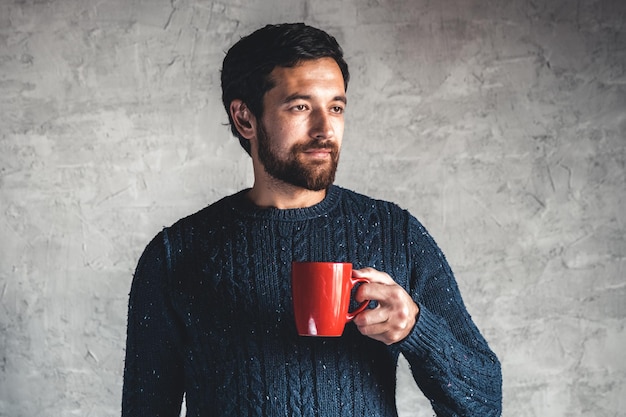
(380, 325)
(382, 334)
(386, 294)
(371, 291)
(371, 317)
(382, 331)
(373, 275)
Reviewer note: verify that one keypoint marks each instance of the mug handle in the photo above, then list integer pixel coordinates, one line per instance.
(352, 314)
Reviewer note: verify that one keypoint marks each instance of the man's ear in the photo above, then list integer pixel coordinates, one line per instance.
(244, 120)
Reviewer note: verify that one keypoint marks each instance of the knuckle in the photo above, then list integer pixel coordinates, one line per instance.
(396, 294)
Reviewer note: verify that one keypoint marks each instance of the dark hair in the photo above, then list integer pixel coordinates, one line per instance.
(248, 63)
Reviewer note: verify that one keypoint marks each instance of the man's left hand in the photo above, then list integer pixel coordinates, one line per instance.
(394, 317)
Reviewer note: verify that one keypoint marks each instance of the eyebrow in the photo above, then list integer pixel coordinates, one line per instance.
(298, 96)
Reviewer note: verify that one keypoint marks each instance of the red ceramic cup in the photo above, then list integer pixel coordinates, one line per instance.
(321, 297)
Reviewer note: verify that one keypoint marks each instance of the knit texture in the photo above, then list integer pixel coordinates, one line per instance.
(210, 317)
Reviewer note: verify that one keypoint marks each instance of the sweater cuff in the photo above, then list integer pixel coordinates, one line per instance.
(425, 338)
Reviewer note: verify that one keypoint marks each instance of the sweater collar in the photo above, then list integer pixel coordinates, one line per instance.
(246, 208)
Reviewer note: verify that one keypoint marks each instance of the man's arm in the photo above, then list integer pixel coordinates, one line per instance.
(153, 372)
(450, 360)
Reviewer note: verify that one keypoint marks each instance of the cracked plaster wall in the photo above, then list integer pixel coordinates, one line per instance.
(501, 125)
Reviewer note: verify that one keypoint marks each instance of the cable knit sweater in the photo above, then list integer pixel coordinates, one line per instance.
(210, 317)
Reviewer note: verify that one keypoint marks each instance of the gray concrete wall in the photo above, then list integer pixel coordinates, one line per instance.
(500, 124)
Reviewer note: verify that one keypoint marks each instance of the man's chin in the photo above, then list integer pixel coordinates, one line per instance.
(310, 175)
(311, 182)
(320, 182)
(320, 186)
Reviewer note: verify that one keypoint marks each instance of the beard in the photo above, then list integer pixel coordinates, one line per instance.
(314, 176)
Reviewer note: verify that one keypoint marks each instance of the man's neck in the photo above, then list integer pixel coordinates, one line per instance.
(280, 195)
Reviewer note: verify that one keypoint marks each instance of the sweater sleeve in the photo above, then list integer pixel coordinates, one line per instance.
(449, 358)
(153, 372)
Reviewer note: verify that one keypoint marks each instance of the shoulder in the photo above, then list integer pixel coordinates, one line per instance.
(183, 234)
(389, 214)
(364, 203)
(401, 218)
(209, 216)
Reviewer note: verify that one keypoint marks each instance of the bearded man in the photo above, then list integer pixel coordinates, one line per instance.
(210, 310)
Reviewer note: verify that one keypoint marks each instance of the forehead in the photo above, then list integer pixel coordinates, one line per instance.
(316, 73)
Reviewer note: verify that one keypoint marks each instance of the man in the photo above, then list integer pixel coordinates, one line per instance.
(210, 314)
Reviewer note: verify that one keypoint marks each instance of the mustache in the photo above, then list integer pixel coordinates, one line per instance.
(313, 145)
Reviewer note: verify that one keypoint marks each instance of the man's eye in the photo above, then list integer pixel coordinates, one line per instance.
(337, 109)
(300, 107)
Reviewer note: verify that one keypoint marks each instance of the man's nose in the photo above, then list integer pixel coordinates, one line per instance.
(322, 127)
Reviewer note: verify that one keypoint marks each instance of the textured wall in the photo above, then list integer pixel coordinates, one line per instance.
(500, 124)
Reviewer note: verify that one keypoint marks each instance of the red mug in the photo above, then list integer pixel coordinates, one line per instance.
(321, 297)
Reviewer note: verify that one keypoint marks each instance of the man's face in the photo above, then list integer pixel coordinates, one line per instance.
(300, 133)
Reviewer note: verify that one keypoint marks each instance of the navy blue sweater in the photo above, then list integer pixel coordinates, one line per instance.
(210, 317)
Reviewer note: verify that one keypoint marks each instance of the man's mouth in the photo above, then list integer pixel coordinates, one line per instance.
(321, 151)
(318, 153)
